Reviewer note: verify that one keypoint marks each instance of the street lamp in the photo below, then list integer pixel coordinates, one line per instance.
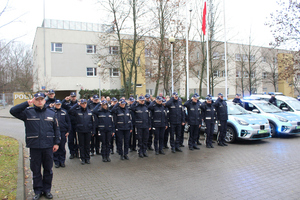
(172, 40)
(99, 65)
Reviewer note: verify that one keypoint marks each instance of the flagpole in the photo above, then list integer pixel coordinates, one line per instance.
(187, 51)
(207, 56)
(225, 52)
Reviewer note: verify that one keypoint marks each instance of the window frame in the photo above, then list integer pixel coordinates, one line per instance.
(112, 72)
(93, 49)
(113, 51)
(54, 47)
(94, 71)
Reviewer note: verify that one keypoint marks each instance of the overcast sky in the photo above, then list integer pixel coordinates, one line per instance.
(242, 17)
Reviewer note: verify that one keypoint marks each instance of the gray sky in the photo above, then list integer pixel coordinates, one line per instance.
(243, 17)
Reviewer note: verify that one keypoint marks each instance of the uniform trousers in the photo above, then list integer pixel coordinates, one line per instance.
(166, 136)
(133, 138)
(123, 139)
(210, 126)
(106, 138)
(72, 140)
(59, 156)
(39, 158)
(175, 131)
(143, 136)
(84, 144)
(95, 143)
(194, 132)
(159, 134)
(222, 131)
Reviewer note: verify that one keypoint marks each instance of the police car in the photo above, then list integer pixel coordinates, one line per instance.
(242, 124)
(285, 103)
(281, 122)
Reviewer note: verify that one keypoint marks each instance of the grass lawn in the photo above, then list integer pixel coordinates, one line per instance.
(9, 154)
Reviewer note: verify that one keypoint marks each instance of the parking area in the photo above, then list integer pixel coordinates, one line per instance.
(267, 169)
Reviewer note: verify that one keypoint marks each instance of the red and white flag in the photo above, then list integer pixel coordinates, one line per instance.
(204, 19)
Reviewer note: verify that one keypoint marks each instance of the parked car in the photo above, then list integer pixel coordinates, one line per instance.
(281, 122)
(244, 125)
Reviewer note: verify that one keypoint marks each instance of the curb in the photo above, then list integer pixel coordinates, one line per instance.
(20, 183)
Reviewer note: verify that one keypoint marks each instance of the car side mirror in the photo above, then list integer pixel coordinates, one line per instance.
(255, 110)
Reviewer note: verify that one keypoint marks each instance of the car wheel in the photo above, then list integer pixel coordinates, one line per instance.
(273, 130)
(230, 135)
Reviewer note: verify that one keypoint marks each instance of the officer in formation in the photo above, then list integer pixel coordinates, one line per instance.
(194, 120)
(85, 128)
(133, 138)
(222, 116)
(159, 123)
(114, 101)
(237, 100)
(67, 103)
(42, 138)
(105, 127)
(176, 119)
(123, 128)
(143, 125)
(50, 101)
(95, 139)
(64, 122)
(208, 115)
(273, 99)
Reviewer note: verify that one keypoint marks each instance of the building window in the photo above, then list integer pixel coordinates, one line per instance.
(129, 60)
(147, 52)
(139, 61)
(216, 56)
(149, 91)
(264, 59)
(264, 75)
(198, 55)
(252, 58)
(238, 57)
(139, 85)
(252, 74)
(91, 49)
(56, 47)
(238, 74)
(245, 57)
(275, 60)
(246, 75)
(114, 72)
(216, 73)
(147, 73)
(265, 89)
(223, 56)
(91, 71)
(113, 50)
(223, 73)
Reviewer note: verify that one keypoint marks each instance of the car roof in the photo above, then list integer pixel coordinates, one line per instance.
(285, 98)
(254, 101)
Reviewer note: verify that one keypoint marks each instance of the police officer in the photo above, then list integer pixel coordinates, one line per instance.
(222, 116)
(64, 122)
(113, 102)
(176, 119)
(273, 100)
(150, 139)
(159, 124)
(143, 125)
(123, 126)
(85, 128)
(208, 115)
(237, 100)
(50, 99)
(106, 128)
(42, 139)
(194, 120)
(95, 139)
(67, 103)
(133, 138)
(167, 131)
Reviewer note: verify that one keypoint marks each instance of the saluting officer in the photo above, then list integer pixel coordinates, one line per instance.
(222, 116)
(64, 122)
(50, 99)
(95, 139)
(133, 136)
(42, 138)
(150, 139)
(85, 128)
(208, 115)
(123, 126)
(176, 119)
(106, 128)
(159, 124)
(143, 125)
(194, 120)
(113, 102)
(67, 103)
(237, 100)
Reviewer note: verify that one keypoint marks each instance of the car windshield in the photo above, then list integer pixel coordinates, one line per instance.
(236, 110)
(268, 107)
(295, 104)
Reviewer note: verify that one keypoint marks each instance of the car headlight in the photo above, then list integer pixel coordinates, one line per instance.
(241, 122)
(282, 119)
